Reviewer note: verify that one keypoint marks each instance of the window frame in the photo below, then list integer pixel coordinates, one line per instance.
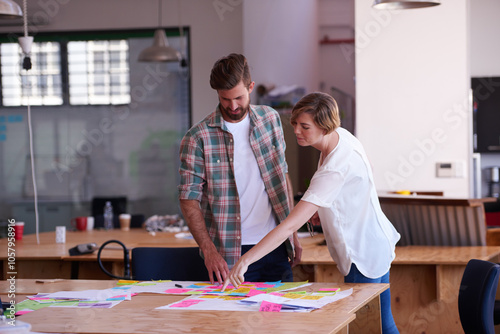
(64, 37)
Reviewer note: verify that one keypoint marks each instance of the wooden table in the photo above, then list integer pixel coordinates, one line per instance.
(424, 280)
(139, 314)
(51, 260)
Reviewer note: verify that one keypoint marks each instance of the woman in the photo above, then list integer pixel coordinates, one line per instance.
(359, 236)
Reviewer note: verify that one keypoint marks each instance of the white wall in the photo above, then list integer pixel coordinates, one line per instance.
(484, 36)
(412, 83)
(281, 42)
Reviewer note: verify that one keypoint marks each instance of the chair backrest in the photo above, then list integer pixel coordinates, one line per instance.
(476, 297)
(177, 264)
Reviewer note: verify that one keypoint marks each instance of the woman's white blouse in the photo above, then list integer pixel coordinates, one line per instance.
(355, 228)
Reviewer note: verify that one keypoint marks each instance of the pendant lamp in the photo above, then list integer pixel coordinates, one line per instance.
(160, 51)
(10, 10)
(404, 4)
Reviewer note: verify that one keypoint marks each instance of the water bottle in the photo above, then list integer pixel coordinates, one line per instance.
(108, 216)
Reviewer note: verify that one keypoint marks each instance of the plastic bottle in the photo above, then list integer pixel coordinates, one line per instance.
(108, 216)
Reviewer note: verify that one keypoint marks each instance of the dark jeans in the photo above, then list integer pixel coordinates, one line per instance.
(273, 267)
(388, 324)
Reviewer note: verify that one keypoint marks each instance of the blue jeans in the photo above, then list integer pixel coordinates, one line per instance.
(388, 324)
(271, 268)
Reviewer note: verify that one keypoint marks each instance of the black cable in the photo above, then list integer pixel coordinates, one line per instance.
(126, 260)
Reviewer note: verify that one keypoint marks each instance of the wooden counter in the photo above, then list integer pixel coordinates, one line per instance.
(425, 281)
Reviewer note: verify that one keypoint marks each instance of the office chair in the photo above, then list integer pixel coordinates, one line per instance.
(136, 220)
(155, 263)
(177, 264)
(476, 297)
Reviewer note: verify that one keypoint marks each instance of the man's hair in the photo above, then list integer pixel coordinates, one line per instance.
(322, 107)
(229, 71)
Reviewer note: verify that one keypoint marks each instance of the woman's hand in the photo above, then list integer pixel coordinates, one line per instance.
(236, 275)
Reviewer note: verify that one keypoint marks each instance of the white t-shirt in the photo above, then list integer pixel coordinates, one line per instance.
(355, 228)
(257, 218)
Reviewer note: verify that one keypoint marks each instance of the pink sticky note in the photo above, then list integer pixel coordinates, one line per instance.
(329, 289)
(186, 303)
(23, 312)
(254, 292)
(277, 294)
(177, 291)
(269, 307)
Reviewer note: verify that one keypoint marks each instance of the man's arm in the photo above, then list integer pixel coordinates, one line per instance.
(273, 239)
(196, 223)
(296, 243)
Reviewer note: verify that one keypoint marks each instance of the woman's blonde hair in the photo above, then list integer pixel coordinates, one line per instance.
(322, 107)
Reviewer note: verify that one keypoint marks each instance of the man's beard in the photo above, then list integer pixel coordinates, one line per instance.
(239, 116)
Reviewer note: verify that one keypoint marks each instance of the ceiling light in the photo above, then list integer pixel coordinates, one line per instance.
(404, 4)
(160, 51)
(10, 10)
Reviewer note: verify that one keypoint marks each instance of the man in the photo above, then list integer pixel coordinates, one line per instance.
(234, 184)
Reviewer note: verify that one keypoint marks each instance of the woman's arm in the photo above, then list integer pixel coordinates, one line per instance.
(299, 215)
(297, 247)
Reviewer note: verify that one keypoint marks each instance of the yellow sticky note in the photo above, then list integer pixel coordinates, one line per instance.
(312, 297)
(293, 295)
(126, 282)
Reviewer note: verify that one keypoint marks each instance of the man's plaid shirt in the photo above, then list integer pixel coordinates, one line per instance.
(207, 174)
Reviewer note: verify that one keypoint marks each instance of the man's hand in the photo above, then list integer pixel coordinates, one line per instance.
(216, 265)
(315, 221)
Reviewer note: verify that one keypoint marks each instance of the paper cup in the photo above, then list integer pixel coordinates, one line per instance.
(125, 221)
(90, 223)
(60, 234)
(19, 230)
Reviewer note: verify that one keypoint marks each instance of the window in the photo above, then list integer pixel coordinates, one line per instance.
(41, 85)
(97, 73)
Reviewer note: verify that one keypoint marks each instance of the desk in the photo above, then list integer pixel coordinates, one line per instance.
(437, 220)
(425, 281)
(337, 317)
(51, 260)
